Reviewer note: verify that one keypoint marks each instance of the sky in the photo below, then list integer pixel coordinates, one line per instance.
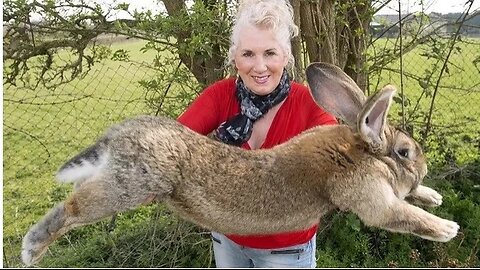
(440, 6)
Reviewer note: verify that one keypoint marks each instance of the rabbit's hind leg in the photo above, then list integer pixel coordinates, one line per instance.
(38, 238)
(89, 203)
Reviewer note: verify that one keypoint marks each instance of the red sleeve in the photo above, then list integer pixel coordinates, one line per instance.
(210, 108)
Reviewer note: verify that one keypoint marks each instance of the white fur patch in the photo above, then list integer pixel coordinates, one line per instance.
(27, 248)
(80, 172)
(27, 258)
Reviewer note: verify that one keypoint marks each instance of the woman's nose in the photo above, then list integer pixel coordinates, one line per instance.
(260, 64)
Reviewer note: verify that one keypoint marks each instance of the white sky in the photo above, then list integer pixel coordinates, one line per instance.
(440, 6)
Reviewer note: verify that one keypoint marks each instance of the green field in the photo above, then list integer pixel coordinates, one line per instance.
(45, 127)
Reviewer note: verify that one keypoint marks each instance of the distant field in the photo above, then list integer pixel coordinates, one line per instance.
(43, 128)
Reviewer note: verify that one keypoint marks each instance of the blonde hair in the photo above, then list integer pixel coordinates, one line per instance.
(274, 15)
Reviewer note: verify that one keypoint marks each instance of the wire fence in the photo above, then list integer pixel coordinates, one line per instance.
(44, 127)
(440, 93)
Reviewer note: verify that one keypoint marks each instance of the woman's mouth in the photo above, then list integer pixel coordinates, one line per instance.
(260, 79)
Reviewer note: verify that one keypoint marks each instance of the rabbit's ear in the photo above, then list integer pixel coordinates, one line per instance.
(335, 91)
(373, 117)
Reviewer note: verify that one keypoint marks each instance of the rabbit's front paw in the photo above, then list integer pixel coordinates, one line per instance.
(428, 196)
(435, 198)
(447, 230)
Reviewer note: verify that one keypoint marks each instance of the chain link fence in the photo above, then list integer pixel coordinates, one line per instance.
(44, 127)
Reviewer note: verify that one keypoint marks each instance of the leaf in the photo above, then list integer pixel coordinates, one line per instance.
(423, 84)
(353, 222)
(120, 55)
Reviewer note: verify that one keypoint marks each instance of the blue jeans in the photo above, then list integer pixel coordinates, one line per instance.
(228, 254)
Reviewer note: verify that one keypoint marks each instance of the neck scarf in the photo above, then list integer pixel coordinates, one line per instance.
(238, 129)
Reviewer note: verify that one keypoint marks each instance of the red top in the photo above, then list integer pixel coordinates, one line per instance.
(218, 103)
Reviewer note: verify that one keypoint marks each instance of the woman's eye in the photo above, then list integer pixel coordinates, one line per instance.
(247, 54)
(270, 53)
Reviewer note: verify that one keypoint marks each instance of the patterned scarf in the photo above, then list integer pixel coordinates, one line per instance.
(238, 129)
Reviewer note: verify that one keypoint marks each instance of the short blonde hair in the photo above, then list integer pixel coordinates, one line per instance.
(274, 15)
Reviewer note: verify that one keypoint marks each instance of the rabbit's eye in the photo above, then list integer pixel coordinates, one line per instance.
(403, 152)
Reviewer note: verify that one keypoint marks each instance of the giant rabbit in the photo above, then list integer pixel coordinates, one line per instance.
(365, 166)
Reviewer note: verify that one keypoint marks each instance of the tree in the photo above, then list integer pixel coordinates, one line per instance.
(335, 32)
(196, 32)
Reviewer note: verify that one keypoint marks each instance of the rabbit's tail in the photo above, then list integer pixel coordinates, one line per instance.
(85, 165)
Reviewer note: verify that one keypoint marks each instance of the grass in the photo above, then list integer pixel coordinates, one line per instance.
(40, 133)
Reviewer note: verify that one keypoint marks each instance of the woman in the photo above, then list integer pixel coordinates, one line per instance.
(260, 108)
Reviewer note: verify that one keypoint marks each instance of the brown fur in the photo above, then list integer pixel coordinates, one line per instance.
(366, 167)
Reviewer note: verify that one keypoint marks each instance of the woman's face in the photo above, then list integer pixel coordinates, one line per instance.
(259, 59)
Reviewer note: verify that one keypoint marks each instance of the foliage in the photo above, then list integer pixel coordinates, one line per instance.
(34, 45)
(67, 42)
(76, 26)
(146, 238)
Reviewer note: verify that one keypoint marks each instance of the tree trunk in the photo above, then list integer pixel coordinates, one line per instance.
(298, 68)
(335, 32)
(308, 29)
(358, 21)
(206, 68)
(317, 23)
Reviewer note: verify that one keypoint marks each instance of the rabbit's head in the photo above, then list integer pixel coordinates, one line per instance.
(338, 94)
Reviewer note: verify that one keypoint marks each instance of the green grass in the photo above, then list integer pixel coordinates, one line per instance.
(39, 138)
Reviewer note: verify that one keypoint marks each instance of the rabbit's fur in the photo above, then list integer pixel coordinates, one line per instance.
(366, 166)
